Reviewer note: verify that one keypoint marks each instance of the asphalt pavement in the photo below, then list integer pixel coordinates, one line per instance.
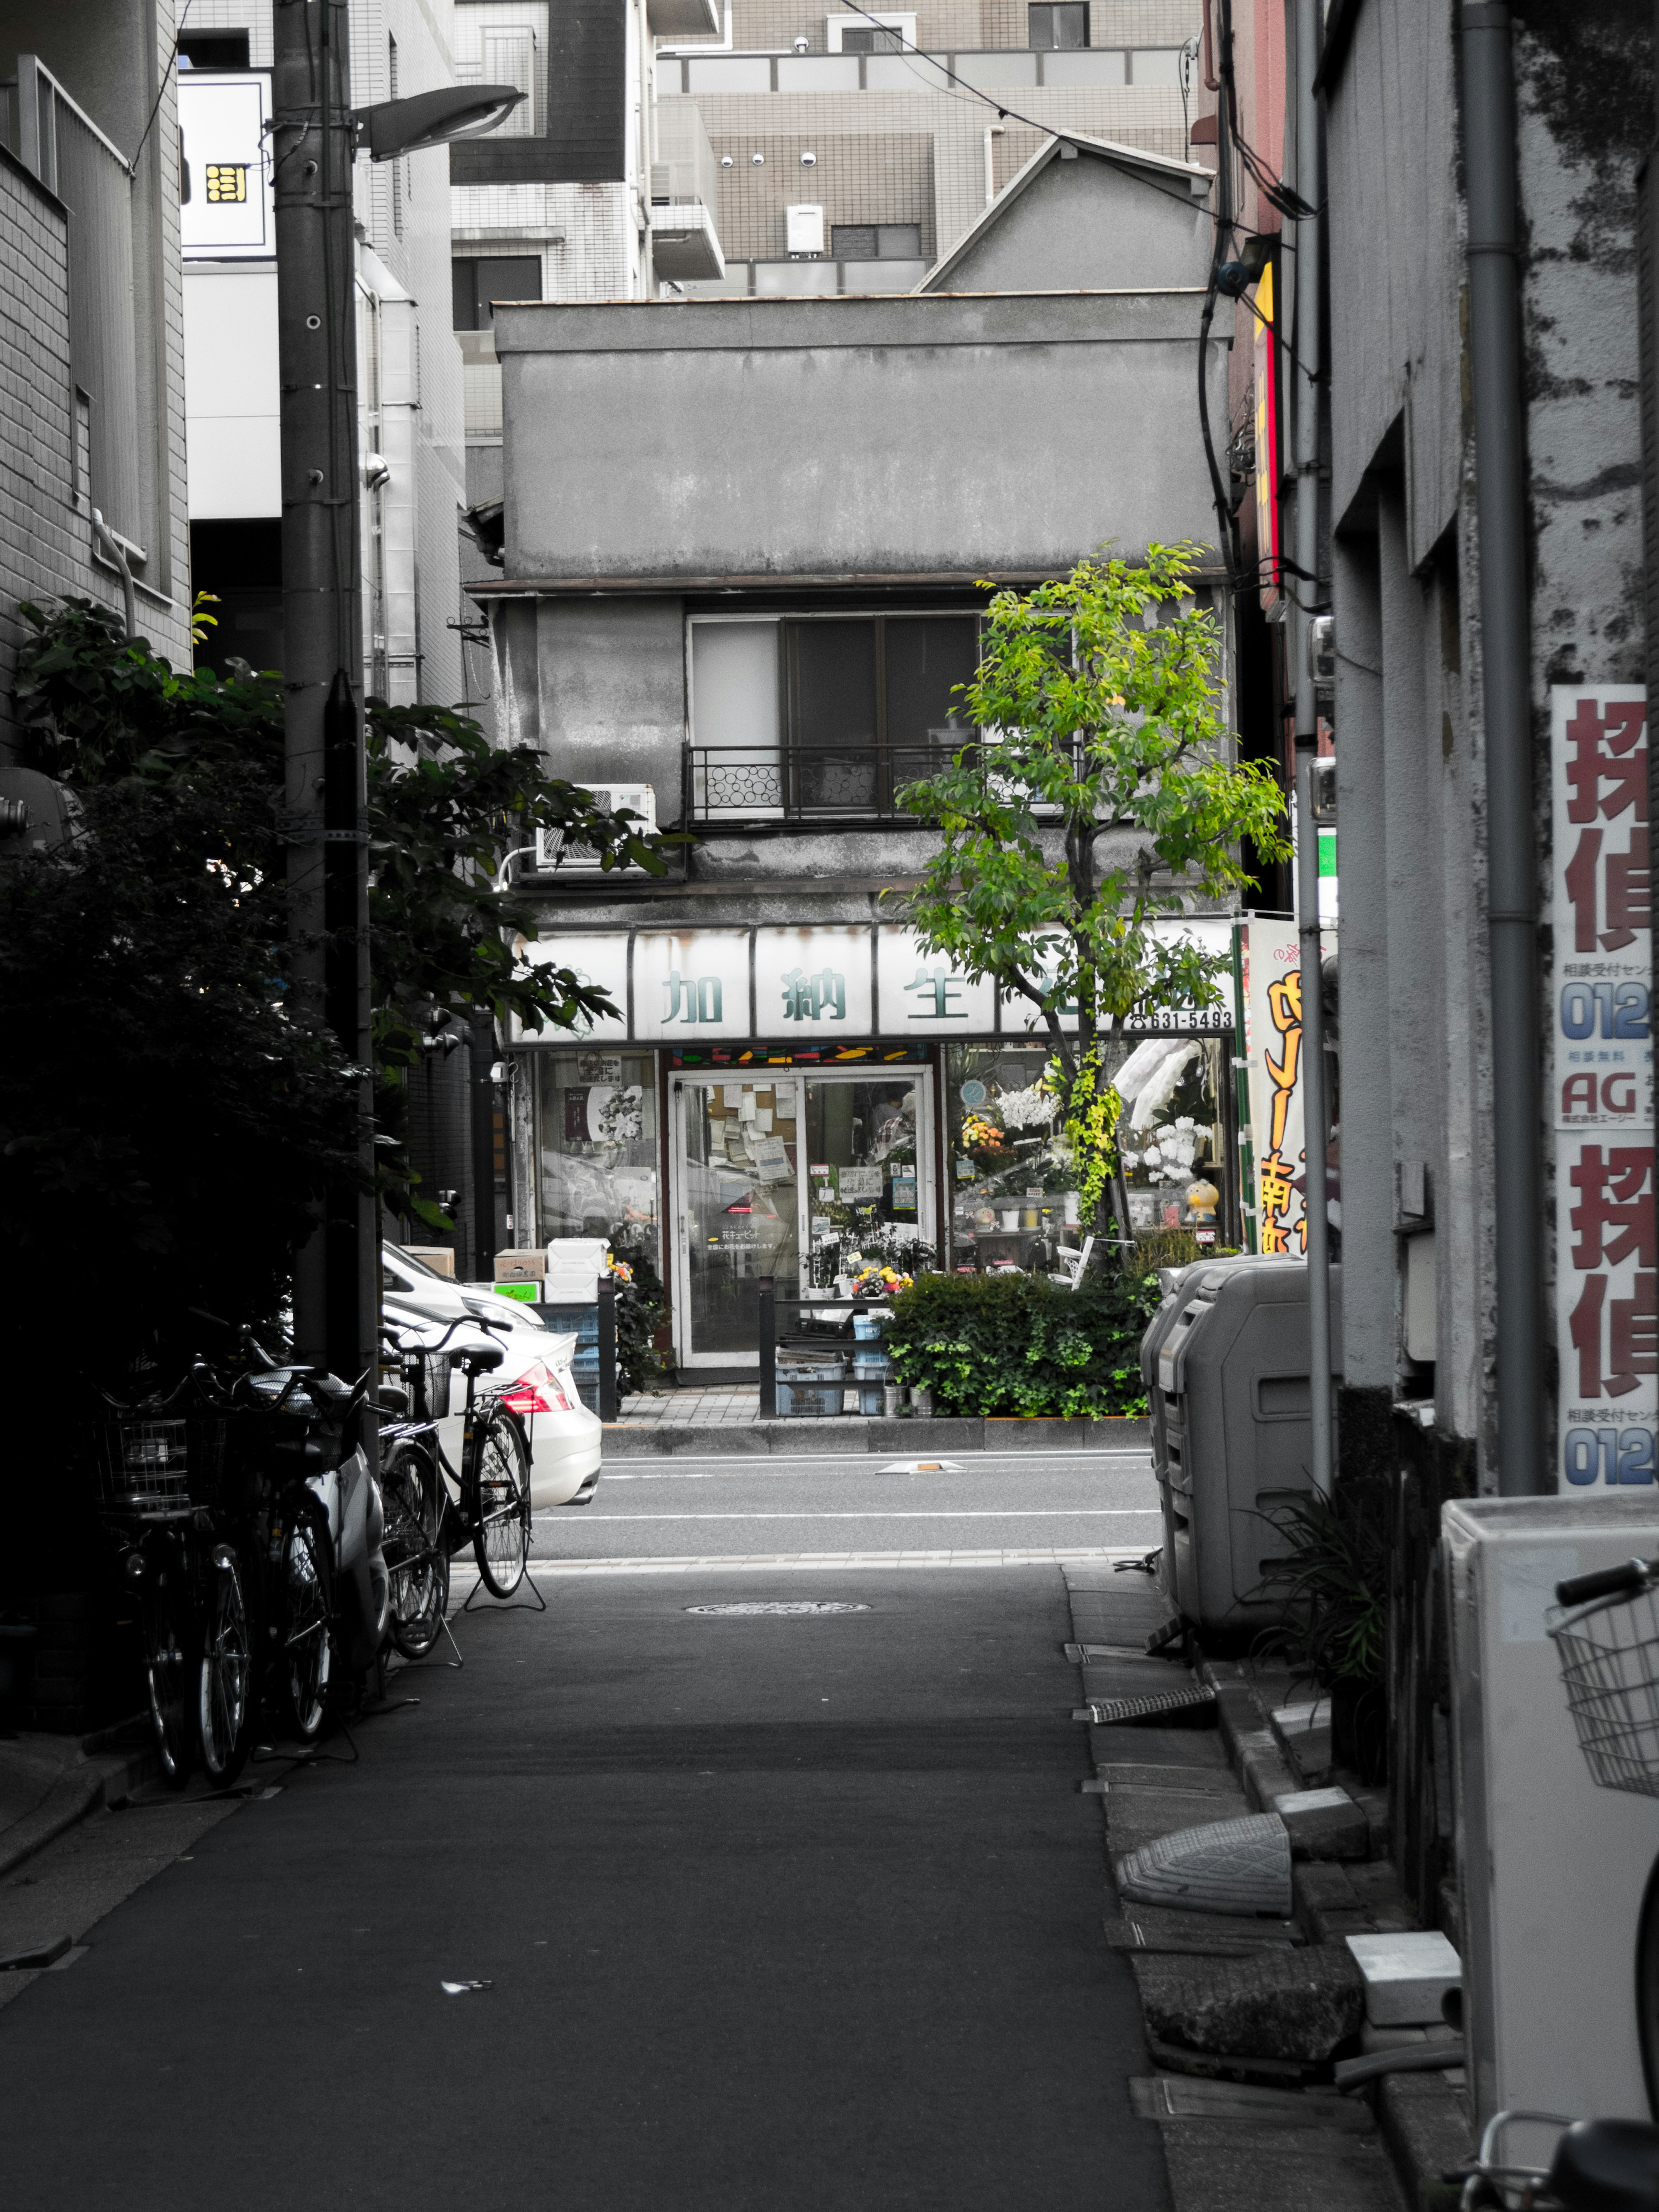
(842, 1504)
(774, 1909)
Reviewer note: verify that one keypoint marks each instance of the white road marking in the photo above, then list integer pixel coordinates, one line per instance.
(938, 1513)
(783, 1562)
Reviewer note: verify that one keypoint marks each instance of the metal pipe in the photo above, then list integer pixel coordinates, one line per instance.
(336, 1275)
(1501, 523)
(1309, 386)
(112, 553)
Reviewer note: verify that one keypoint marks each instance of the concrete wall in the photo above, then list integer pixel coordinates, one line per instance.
(850, 437)
(1084, 224)
(1415, 1038)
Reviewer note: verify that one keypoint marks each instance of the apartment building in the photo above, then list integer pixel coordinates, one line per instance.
(855, 148)
(409, 367)
(765, 655)
(92, 418)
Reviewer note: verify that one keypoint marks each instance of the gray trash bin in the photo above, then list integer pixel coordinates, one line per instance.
(1232, 1373)
(1173, 1282)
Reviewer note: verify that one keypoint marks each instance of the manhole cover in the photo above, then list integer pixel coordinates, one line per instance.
(779, 1605)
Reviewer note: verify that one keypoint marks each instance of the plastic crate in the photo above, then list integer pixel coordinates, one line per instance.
(798, 1401)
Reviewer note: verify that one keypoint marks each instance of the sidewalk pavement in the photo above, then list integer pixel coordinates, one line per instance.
(729, 1406)
(48, 1782)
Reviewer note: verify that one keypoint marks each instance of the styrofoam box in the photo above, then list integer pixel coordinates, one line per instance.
(1407, 1976)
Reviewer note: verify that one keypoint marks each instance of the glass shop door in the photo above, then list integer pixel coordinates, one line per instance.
(736, 1210)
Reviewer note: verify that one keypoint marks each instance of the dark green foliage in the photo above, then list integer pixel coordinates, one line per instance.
(640, 1310)
(1017, 1343)
(106, 714)
(1334, 1583)
(163, 1131)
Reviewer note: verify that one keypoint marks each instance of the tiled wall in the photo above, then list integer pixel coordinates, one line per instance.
(865, 177)
(952, 23)
(847, 130)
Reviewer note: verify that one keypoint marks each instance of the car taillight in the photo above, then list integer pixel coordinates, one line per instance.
(536, 1392)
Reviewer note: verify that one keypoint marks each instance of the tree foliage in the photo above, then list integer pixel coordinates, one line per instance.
(104, 712)
(1097, 799)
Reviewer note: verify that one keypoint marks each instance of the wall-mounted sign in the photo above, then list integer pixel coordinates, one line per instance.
(226, 211)
(923, 995)
(818, 993)
(1273, 1001)
(692, 983)
(1607, 1264)
(813, 983)
(1020, 1016)
(601, 961)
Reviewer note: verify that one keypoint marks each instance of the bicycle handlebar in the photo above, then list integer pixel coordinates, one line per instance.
(389, 1329)
(1630, 1576)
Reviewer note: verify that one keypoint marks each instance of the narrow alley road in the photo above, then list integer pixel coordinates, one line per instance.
(776, 1910)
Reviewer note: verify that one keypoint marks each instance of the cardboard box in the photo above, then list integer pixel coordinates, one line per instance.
(440, 1258)
(521, 1266)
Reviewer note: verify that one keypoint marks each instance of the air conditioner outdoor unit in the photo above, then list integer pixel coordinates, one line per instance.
(640, 798)
(803, 228)
(1554, 1868)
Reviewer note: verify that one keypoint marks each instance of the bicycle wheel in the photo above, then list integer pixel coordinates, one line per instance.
(166, 1629)
(501, 1534)
(224, 1701)
(305, 1598)
(416, 1562)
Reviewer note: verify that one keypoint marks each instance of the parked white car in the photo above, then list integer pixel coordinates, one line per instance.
(534, 1376)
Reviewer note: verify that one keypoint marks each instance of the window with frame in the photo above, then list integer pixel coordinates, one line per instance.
(826, 715)
(876, 241)
(1057, 26)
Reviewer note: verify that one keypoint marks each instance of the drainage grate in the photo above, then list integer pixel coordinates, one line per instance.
(780, 1605)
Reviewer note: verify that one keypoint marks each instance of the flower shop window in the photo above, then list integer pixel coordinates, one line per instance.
(1013, 1192)
(596, 1137)
(1172, 1134)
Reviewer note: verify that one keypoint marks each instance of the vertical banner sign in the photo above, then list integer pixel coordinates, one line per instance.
(1272, 1000)
(1601, 1077)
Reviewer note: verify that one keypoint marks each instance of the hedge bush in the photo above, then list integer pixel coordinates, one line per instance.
(1018, 1343)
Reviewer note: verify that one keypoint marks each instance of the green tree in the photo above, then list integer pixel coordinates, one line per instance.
(1098, 796)
(106, 715)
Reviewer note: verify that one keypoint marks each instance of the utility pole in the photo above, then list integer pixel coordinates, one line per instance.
(1307, 383)
(336, 1286)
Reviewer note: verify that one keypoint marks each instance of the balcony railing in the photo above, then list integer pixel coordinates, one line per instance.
(741, 784)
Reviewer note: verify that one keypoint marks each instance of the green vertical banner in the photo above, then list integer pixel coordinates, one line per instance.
(1241, 1051)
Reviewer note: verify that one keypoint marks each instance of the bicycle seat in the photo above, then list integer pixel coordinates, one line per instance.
(1607, 2165)
(481, 1361)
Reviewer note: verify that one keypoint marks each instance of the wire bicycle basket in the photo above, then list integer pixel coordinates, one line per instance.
(1607, 1637)
(145, 1466)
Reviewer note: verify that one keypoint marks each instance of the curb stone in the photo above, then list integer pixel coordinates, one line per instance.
(851, 1434)
(93, 1781)
(1416, 2126)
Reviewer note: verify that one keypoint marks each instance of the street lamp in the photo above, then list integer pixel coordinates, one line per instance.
(433, 118)
(315, 135)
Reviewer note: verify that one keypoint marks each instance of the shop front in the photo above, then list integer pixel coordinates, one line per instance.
(781, 1102)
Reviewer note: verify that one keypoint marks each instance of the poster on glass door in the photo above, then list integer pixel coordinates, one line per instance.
(1601, 1084)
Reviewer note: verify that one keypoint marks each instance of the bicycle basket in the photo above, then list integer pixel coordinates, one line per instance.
(145, 1466)
(1609, 1655)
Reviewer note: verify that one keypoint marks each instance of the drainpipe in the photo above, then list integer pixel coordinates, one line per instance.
(1501, 523)
(996, 131)
(118, 559)
(1307, 383)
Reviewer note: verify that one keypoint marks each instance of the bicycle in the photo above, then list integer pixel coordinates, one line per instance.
(492, 1483)
(160, 1471)
(1597, 2166)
